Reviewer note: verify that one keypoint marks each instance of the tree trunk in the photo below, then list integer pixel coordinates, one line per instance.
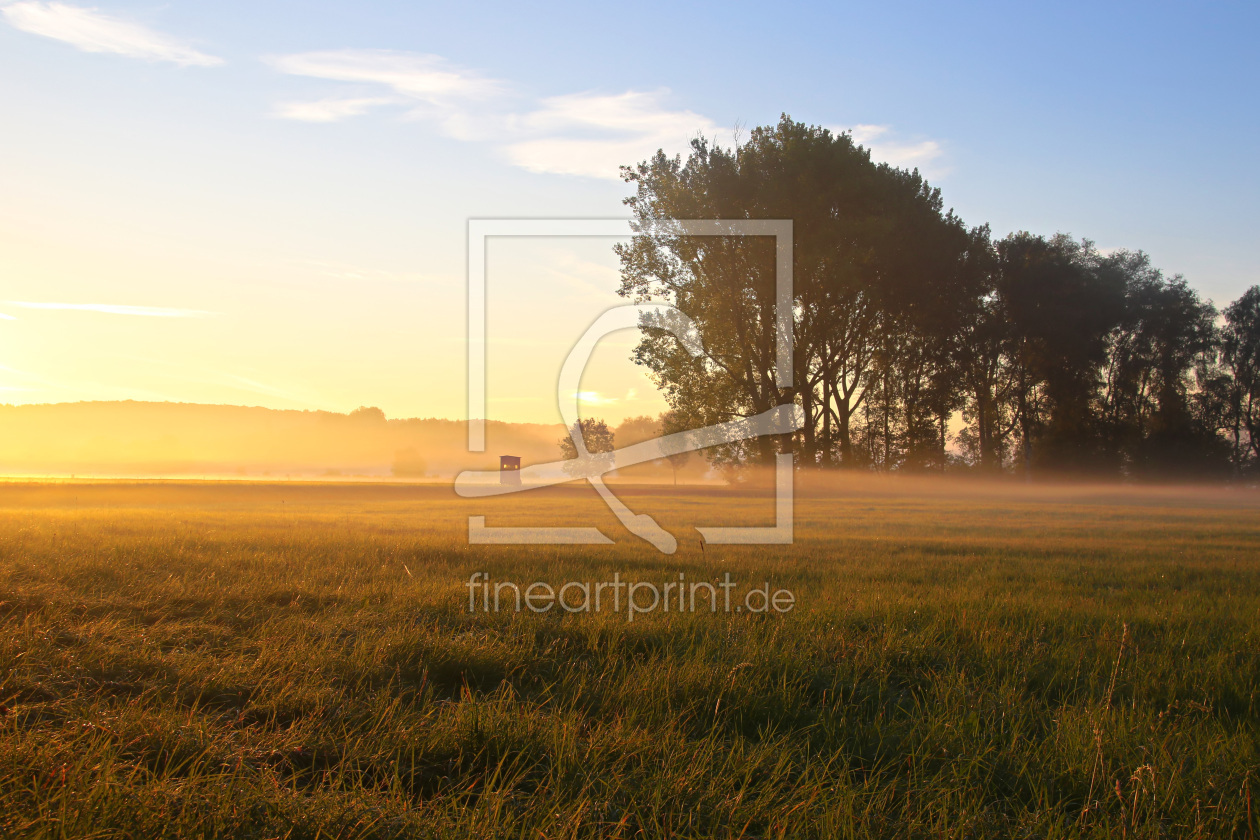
(944, 441)
(765, 447)
(810, 453)
(1026, 433)
(828, 458)
(885, 409)
(846, 442)
(984, 430)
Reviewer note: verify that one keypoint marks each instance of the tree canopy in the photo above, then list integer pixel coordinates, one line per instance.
(922, 343)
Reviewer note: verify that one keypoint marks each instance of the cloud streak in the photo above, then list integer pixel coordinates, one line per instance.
(594, 134)
(588, 134)
(110, 309)
(330, 110)
(429, 85)
(920, 154)
(429, 78)
(91, 31)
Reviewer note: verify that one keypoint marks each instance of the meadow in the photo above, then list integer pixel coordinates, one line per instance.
(255, 660)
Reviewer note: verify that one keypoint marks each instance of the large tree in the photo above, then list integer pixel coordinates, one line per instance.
(983, 353)
(1158, 359)
(597, 438)
(1057, 356)
(876, 261)
(1240, 356)
(1061, 306)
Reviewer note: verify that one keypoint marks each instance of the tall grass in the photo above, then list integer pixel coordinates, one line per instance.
(265, 661)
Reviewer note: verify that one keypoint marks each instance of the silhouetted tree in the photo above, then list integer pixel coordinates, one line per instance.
(1055, 356)
(596, 436)
(984, 352)
(1062, 308)
(872, 248)
(367, 414)
(1240, 359)
(671, 423)
(1166, 333)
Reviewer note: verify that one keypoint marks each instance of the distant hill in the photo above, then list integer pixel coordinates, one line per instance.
(160, 439)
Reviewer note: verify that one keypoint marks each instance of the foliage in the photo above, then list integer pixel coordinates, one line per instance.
(595, 434)
(1054, 356)
(1240, 383)
(856, 285)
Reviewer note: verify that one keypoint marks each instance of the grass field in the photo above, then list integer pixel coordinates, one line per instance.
(253, 660)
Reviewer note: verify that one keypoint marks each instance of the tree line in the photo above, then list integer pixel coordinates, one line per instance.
(599, 438)
(922, 343)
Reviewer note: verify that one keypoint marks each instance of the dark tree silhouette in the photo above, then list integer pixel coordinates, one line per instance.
(671, 423)
(596, 435)
(877, 265)
(1240, 357)
(1051, 355)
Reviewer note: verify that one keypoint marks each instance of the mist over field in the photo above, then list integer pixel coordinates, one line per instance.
(924, 338)
(144, 439)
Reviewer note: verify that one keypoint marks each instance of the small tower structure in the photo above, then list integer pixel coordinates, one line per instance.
(509, 469)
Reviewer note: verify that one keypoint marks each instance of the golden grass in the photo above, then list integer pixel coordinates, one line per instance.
(965, 660)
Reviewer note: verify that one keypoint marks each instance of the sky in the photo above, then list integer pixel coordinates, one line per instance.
(265, 203)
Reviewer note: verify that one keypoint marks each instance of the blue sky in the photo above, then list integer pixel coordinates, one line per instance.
(264, 203)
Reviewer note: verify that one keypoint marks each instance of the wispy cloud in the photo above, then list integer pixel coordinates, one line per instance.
(576, 134)
(91, 31)
(429, 78)
(429, 85)
(584, 276)
(883, 145)
(4, 317)
(587, 134)
(593, 134)
(864, 134)
(330, 110)
(111, 309)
